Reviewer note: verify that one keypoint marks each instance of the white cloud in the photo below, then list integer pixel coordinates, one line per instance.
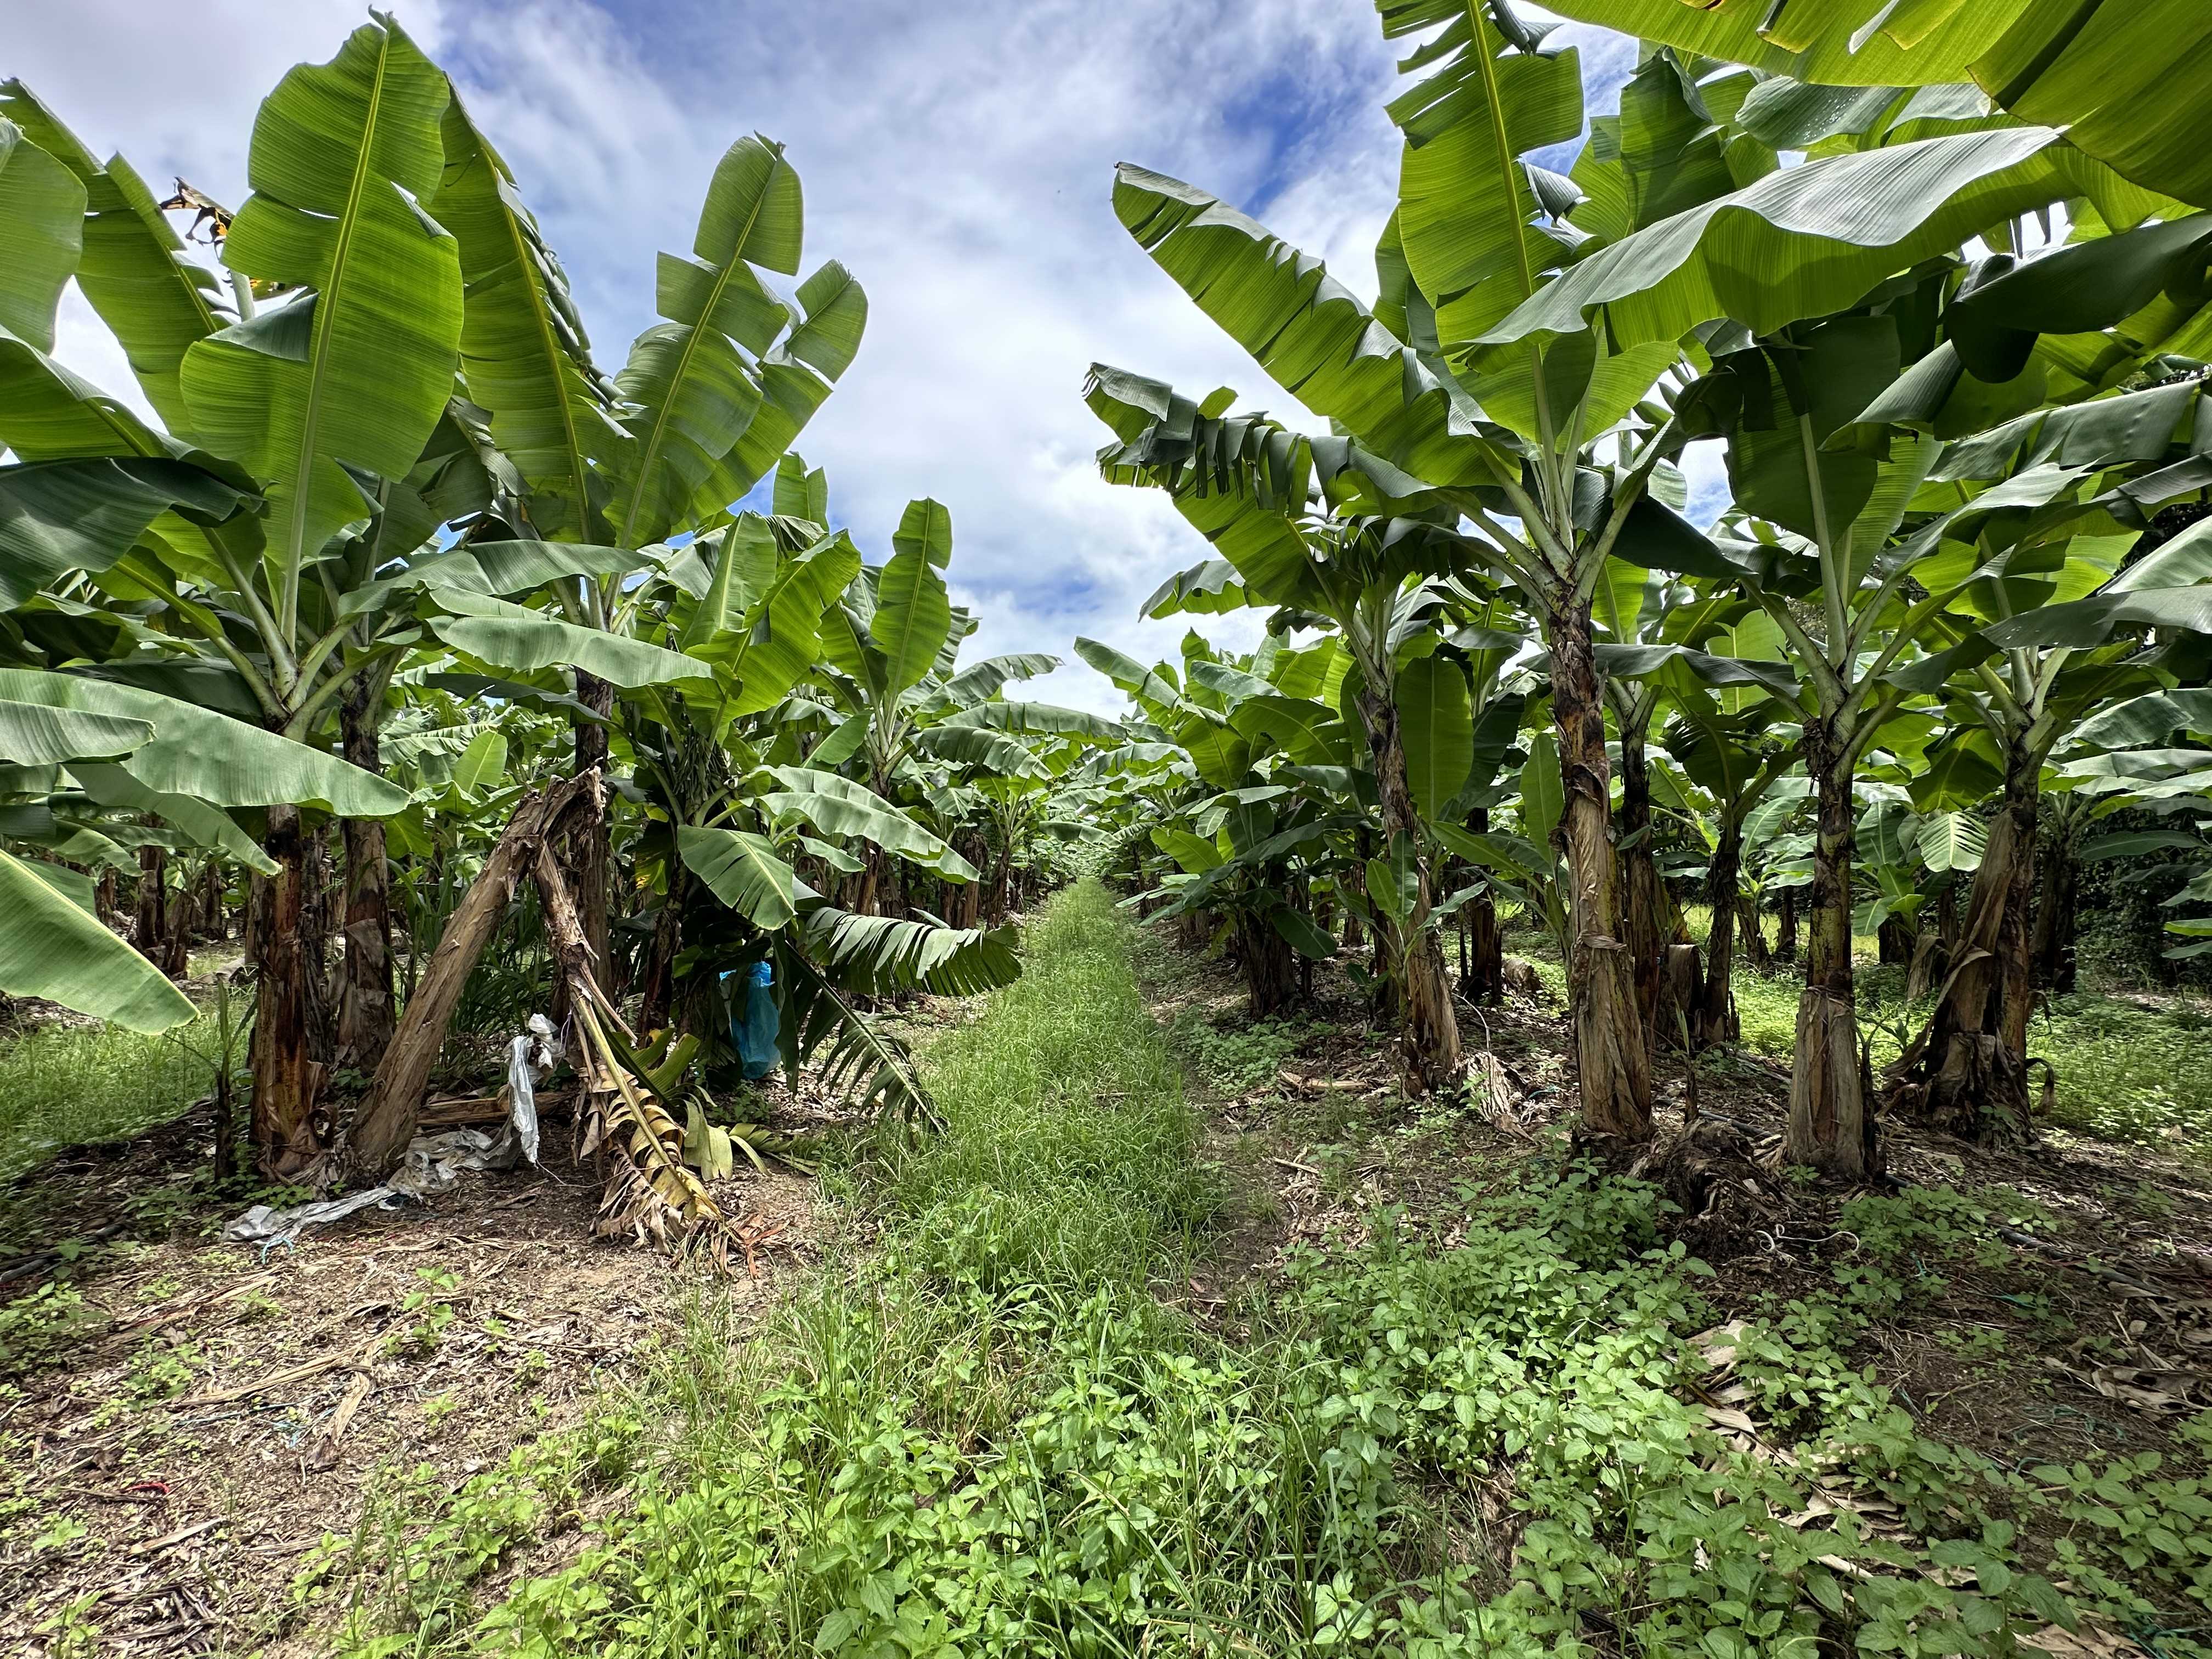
(958, 158)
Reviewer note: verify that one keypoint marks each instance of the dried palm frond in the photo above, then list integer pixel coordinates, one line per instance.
(652, 1194)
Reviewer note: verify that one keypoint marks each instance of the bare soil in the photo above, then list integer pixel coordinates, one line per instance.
(213, 1410)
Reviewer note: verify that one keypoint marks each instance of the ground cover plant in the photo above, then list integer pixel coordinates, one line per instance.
(1578, 1079)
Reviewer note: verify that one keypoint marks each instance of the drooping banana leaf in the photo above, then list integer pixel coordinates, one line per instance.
(838, 806)
(112, 786)
(39, 734)
(218, 760)
(984, 679)
(51, 947)
(492, 570)
(136, 273)
(1310, 333)
(1802, 242)
(56, 517)
(517, 640)
(876, 955)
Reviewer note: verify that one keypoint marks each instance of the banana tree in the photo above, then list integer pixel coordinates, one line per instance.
(1740, 761)
(1234, 768)
(2039, 644)
(891, 648)
(1480, 371)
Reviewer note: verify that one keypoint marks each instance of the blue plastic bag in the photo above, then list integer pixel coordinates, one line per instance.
(753, 1023)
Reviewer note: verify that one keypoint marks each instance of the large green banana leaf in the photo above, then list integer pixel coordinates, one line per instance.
(493, 570)
(40, 734)
(206, 826)
(1037, 719)
(1309, 332)
(135, 273)
(61, 516)
(51, 947)
(780, 640)
(839, 807)
(967, 745)
(796, 377)
(1845, 43)
(690, 381)
(2148, 719)
(210, 757)
(1306, 731)
(2129, 79)
(352, 375)
(50, 413)
(914, 612)
(978, 681)
(42, 226)
(519, 640)
(1435, 725)
(743, 871)
(1803, 242)
(1465, 204)
(744, 566)
(1144, 684)
(524, 352)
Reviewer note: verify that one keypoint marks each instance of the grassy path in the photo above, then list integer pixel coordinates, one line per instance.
(980, 1433)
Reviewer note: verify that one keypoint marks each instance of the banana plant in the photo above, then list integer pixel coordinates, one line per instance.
(1234, 776)
(1371, 581)
(1482, 373)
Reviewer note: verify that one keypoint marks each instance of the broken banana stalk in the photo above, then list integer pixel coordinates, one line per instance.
(652, 1194)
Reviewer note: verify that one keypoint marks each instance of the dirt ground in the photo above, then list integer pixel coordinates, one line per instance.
(228, 1406)
(184, 1421)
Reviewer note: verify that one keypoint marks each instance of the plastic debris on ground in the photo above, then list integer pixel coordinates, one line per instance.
(432, 1163)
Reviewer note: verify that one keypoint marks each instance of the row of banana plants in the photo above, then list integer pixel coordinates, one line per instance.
(395, 554)
(1937, 301)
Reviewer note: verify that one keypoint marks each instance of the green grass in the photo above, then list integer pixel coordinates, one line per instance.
(2125, 1072)
(62, 1085)
(985, 1435)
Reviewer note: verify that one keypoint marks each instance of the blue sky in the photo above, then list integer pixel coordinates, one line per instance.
(958, 157)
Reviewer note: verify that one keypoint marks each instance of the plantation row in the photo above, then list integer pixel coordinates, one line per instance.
(1942, 319)
(401, 567)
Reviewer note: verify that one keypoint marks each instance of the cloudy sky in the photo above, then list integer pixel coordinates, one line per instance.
(958, 157)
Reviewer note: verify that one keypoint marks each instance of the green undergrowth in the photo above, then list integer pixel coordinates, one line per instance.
(2126, 1071)
(65, 1085)
(988, 1434)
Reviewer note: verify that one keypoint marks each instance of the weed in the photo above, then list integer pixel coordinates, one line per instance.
(987, 1436)
(424, 1312)
(36, 1329)
(66, 1085)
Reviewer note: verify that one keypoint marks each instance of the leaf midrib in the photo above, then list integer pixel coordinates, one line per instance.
(690, 347)
(327, 306)
(540, 315)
